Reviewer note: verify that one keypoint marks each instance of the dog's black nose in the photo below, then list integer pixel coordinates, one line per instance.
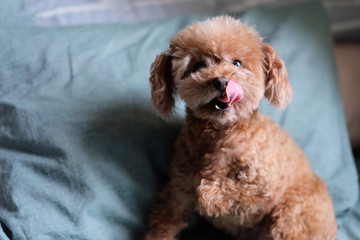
(220, 83)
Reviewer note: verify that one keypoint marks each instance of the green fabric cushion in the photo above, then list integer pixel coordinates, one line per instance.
(82, 152)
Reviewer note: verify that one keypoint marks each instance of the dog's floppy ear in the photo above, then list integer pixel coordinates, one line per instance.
(162, 87)
(277, 87)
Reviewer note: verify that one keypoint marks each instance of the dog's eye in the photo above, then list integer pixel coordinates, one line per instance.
(198, 66)
(237, 63)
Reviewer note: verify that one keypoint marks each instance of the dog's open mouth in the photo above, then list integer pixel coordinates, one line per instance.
(232, 94)
(219, 105)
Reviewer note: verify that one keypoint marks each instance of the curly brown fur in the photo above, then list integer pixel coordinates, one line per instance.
(234, 166)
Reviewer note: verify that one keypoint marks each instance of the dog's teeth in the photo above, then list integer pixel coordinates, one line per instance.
(217, 107)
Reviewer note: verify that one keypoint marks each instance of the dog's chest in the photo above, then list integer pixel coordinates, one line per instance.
(230, 186)
(231, 176)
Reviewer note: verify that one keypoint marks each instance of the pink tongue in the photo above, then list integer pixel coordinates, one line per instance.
(233, 93)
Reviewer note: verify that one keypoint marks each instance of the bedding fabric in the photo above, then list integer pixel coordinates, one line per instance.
(343, 15)
(81, 151)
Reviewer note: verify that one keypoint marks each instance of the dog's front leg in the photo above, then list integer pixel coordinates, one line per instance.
(211, 198)
(169, 216)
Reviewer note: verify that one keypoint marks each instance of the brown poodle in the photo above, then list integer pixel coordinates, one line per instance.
(234, 166)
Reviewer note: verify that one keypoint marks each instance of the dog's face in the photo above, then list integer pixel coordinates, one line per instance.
(221, 69)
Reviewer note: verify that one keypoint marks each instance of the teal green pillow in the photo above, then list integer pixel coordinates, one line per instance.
(82, 152)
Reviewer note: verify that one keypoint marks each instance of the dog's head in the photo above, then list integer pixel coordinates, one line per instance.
(221, 69)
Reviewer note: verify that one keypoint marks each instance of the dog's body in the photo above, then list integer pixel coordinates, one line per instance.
(233, 165)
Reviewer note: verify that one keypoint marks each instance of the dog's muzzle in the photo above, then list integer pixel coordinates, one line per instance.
(230, 92)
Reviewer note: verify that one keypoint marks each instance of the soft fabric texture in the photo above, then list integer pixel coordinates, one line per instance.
(82, 152)
(343, 16)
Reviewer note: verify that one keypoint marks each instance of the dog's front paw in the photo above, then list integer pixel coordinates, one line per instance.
(211, 198)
